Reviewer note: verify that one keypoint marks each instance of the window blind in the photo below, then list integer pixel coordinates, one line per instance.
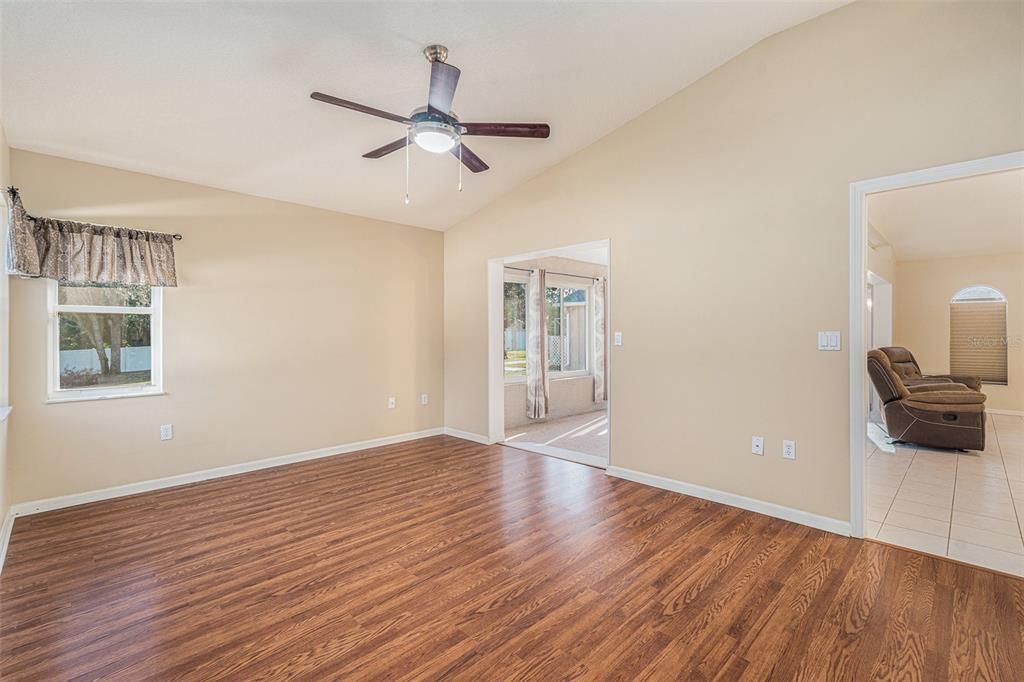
(977, 340)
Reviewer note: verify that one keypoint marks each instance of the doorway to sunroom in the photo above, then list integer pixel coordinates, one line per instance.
(554, 353)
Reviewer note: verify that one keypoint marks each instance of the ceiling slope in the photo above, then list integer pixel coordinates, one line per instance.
(218, 93)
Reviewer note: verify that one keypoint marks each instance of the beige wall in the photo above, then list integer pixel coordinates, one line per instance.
(880, 259)
(921, 321)
(290, 328)
(738, 188)
(5, 176)
(567, 396)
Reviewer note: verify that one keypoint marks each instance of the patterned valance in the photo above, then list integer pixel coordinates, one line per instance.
(83, 253)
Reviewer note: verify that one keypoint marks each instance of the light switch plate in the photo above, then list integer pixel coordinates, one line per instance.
(757, 445)
(830, 341)
(424, 399)
(618, 338)
(392, 403)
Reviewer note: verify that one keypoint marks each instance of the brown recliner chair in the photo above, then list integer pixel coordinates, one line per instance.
(905, 365)
(940, 415)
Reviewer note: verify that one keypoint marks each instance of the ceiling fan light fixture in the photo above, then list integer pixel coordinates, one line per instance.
(437, 138)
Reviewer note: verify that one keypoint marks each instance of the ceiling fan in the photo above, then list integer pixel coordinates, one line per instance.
(435, 127)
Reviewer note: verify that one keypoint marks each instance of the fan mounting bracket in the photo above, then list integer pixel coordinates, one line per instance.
(436, 53)
(424, 114)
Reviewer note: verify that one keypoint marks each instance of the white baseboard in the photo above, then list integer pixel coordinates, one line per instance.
(466, 435)
(5, 537)
(1008, 413)
(750, 504)
(49, 504)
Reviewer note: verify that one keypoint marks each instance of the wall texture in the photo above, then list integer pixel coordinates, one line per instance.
(568, 396)
(727, 210)
(5, 176)
(290, 328)
(921, 320)
(880, 259)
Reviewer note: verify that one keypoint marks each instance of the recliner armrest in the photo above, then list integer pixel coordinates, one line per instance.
(948, 398)
(973, 383)
(944, 386)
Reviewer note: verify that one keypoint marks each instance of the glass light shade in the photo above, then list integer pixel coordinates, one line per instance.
(434, 137)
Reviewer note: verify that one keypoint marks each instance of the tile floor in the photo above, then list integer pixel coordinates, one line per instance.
(968, 506)
(586, 433)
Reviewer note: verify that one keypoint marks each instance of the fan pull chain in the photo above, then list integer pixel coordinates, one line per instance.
(408, 141)
(460, 165)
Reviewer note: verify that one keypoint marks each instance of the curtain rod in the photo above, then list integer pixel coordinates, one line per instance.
(552, 272)
(13, 191)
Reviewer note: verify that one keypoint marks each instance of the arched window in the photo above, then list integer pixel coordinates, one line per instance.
(977, 334)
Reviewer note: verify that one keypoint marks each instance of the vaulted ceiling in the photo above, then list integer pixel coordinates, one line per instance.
(972, 216)
(218, 93)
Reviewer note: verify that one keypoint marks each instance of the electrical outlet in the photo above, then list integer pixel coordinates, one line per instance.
(166, 431)
(757, 445)
(424, 399)
(789, 449)
(392, 403)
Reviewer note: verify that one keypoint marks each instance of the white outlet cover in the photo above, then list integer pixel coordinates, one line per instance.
(757, 445)
(789, 449)
(166, 431)
(618, 338)
(392, 403)
(424, 399)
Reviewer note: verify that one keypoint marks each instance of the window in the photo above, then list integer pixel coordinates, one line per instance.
(977, 334)
(567, 329)
(105, 340)
(515, 329)
(569, 333)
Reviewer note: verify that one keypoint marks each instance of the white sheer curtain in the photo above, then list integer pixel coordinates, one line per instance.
(600, 354)
(536, 346)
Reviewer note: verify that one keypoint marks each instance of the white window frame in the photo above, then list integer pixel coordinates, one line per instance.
(574, 283)
(515, 279)
(553, 282)
(155, 310)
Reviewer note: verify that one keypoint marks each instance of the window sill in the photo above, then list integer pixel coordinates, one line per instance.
(561, 376)
(103, 396)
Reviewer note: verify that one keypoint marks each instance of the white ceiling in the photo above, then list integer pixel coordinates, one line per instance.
(972, 216)
(218, 93)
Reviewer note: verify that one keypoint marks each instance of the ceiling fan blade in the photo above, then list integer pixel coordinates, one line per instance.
(538, 130)
(387, 149)
(329, 99)
(469, 159)
(443, 80)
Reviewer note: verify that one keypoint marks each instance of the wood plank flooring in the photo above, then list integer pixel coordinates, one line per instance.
(442, 558)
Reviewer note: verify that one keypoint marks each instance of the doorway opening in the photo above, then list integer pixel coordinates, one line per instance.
(937, 361)
(549, 361)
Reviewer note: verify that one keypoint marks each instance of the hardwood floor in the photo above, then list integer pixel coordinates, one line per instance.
(441, 558)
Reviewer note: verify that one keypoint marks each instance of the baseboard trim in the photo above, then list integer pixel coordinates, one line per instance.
(750, 504)
(5, 537)
(53, 503)
(1008, 413)
(467, 435)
